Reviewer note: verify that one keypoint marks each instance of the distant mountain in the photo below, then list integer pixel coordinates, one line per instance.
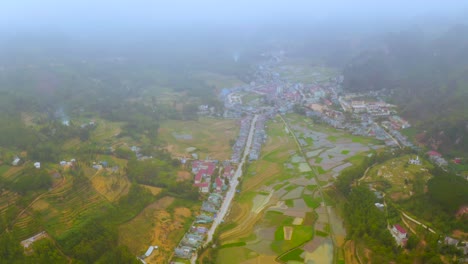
(428, 78)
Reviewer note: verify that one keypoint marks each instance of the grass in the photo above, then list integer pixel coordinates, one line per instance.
(311, 202)
(273, 218)
(234, 255)
(289, 203)
(320, 170)
(318, 159)
(356, 159)
(310, 218)
(345, 152)
(410, 133)
(301, 234)
(279, 186)
(212, 142)
(3, 169)
(393, 174)
(250, 97)
(321, 233)
(236, 244)
(294, 254)
(70, 205)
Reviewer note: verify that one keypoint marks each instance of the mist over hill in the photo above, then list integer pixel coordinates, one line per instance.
(428, 78)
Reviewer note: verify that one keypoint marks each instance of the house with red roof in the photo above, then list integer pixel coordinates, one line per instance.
(204, 187)
(228, 171)
(198, 177)
(434, 154)
(219, 184)
(400, 235)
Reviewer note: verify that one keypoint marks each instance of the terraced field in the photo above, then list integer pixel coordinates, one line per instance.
(70, 205)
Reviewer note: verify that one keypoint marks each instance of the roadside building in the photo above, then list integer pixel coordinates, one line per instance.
(400, 235)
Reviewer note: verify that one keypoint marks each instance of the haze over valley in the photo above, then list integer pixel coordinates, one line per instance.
(235, 132)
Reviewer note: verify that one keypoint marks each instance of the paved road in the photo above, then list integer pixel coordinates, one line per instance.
(417, 222)
(232, 189)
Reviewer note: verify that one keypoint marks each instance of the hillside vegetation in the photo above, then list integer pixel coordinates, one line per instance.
(426, 76)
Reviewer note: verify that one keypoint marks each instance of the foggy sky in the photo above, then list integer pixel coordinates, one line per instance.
(94, 15)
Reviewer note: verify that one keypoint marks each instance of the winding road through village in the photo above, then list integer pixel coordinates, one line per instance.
(232, 190)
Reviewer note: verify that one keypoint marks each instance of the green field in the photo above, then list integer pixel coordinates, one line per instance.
(400, 179)
(301, 234)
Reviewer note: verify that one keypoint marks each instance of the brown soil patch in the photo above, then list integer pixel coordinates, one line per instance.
(155, 226)
(269, 169)
(459, 234)
(398, 196)
(287, 230)
(183, 176)
(110, 186)
(163, 203)
(152, 189)
(12, 171)
(311, 246)
(349, 256)
(182, 211)
(40, 205)
(261, 259)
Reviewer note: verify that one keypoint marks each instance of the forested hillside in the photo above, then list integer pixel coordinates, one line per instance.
(428, 78)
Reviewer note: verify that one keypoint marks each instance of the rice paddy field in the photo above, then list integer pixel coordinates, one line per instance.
(297, 224)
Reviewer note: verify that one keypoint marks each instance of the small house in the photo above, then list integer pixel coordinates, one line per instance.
(416, 161)
(16, 161)
(203, 187)
(379, 205)
(400, 235)
(37, 165)
(219, 184)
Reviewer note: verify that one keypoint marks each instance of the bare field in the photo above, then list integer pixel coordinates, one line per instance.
(210, 137)
(155, 226)
(111, 186)
(152, 189)
(349, 256)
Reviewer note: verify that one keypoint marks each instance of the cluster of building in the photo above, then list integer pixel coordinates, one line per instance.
(204, 171)
(239, 145)
(64, 163)
(17, 162)
(437, 158)
(374, 108)
(259, 138)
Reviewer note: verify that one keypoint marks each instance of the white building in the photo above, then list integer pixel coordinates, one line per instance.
(416, 161)
(16, 161)
(37, 165)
